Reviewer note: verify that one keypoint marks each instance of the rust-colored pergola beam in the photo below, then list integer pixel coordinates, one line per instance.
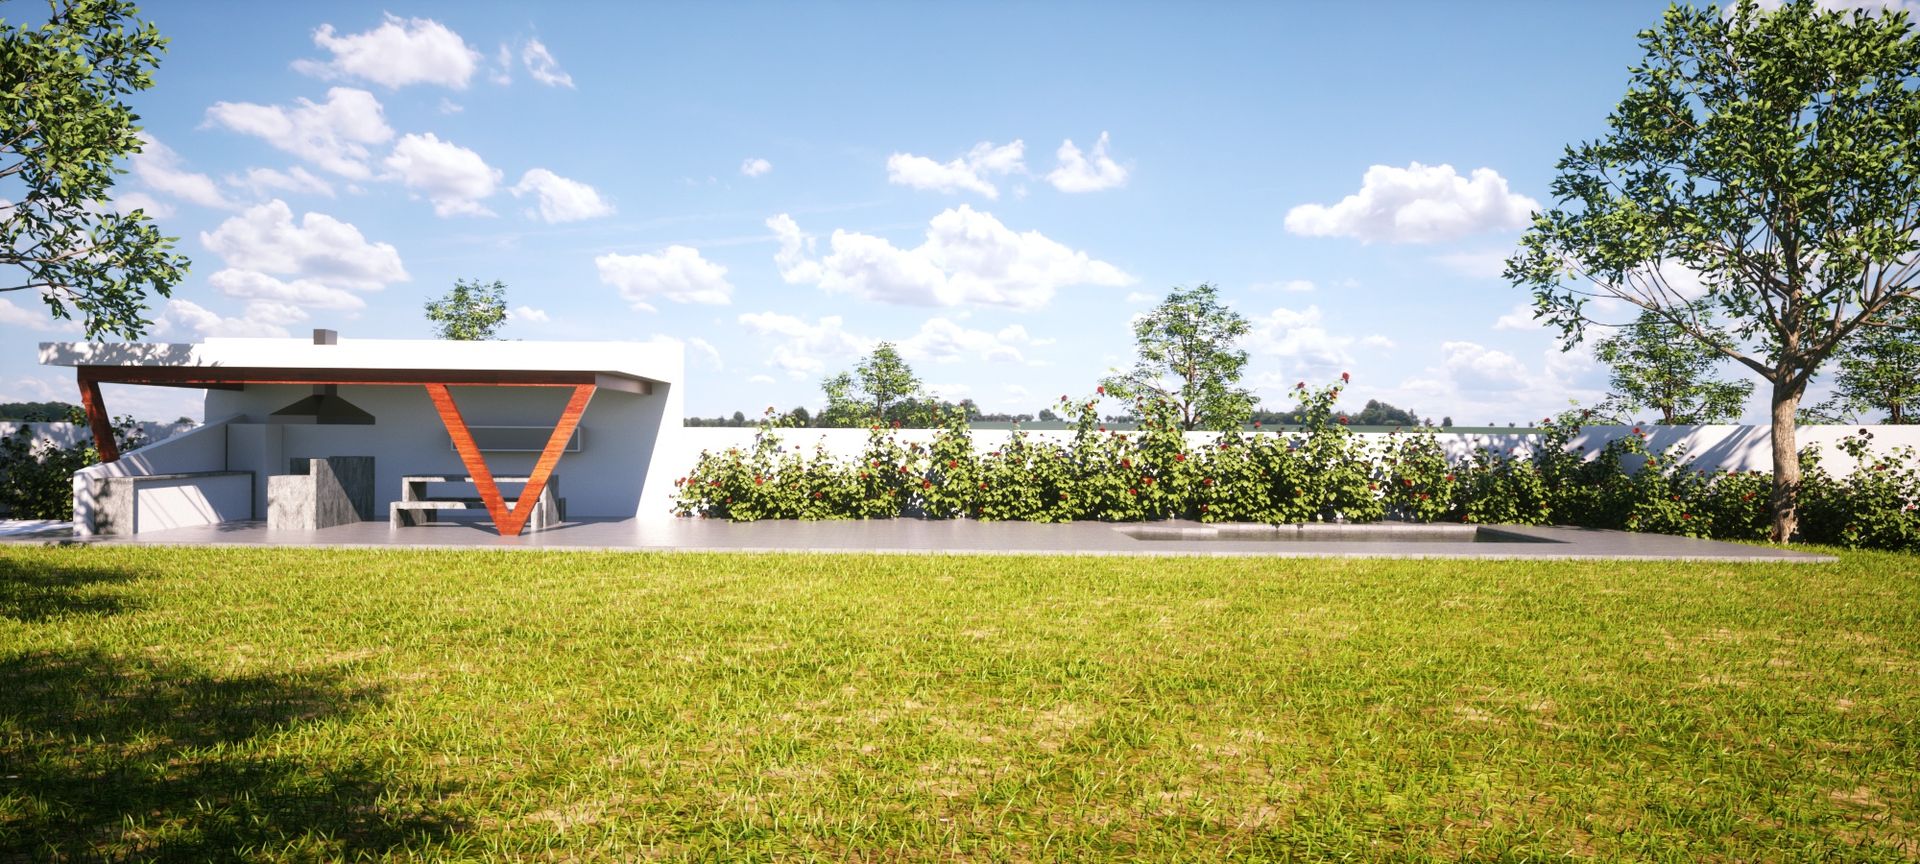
(509, 522)
(97, 419)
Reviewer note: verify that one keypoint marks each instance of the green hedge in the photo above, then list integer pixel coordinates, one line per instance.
(1321, 472)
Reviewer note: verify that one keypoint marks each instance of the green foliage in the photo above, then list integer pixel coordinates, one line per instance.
(1188, 359)
(36, 477)
(63, 126)
(473, 311)
(1877, 506)
(1657, 366)
(1377, 413)
(1880, 371)
(1771, 156)
(40, 412)
(881, 388)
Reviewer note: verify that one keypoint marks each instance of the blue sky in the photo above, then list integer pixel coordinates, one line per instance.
(997, 188)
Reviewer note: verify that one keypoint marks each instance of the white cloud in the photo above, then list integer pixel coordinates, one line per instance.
(755, 167)
(1377, 341)
(333, 134)
(255, 285)
(528, 313)
(1484, 264)
(967, 257)
(1300, 340)
(804, 349)
(942, 341)
(267, 181)
(1477, 367)
(693, 345)
(1291, 286)
(760, 379)
(1519, 318)
(159, 167)
(454, 178)
(1078, 172)
(561, 199)
(541, 65)
(399, 52)
(266, 239)
(948, 392)
(1138, 297)
(968, 172)
(260, 318)
(1417, 204)
(448, 106)
(678, 274)
(501, 71)
(127, 202)
(15, 315)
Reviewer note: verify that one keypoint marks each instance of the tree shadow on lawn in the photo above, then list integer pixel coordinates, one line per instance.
(106, 758)
(35, 592)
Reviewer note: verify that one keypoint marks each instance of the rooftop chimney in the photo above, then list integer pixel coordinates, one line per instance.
(325, 337)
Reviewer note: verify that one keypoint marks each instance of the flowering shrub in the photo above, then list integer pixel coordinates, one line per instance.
(1320, 472)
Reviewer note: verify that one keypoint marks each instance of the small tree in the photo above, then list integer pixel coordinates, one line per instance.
(881, 388)
(1880, 371)
(1656, 365)
(472, 312)
(1378, 413)
(1758, 189)
(62, 129)
(1189, 359)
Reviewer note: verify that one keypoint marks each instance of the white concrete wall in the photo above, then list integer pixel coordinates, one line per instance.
(187, 502)
(202, 448)
(68, 434)
(622, 435)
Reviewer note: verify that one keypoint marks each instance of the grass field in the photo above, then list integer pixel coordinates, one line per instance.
(213, 704)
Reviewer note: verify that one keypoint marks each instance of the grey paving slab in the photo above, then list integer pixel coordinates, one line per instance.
(917, 536)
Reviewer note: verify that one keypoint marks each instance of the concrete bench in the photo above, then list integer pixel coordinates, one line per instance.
(416, 507)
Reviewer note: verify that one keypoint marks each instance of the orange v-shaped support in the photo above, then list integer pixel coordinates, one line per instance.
(509, 522)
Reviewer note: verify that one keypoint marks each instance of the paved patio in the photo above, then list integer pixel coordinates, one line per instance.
(916, 536)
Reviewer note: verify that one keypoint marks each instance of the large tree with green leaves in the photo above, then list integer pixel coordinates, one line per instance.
(63, 129)
(1189, 358)
(1758, 189)
(881, 388)
(473, 311)
(1657, 366)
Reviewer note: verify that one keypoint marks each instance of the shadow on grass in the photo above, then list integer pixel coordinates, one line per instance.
(107, 758)
(32, 592)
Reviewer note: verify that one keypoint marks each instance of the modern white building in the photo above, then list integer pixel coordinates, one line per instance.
(595, 417)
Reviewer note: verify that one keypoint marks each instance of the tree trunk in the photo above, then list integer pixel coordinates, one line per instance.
(1786, 462)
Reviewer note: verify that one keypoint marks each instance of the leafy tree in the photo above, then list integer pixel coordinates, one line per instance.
(1880, 371)
(1771, 157)
(39, 412)
(881, 388)
(1379, 413)
(473, 311)
(1656, 365)
(63, 127)
(1188, 359)
(1446, 422)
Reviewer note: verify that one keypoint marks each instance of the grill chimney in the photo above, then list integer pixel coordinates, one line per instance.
(325, 337)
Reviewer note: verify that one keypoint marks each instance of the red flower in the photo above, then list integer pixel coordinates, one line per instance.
(1204, 508)
(1256, 424)
(1147, 480)
(1345, 378)
(759, 480)
(1423, 496)
(1133, 491)
(816, 496)
(1686, 515)
(1102, 390)
(1300, 386)
(1126, 463)
(896, 424)
(1449, 478)
(926, 484)
(1343, 421)
(953, 463)
(1206, 481)
(769, 409)
(1179, 457)
(983, 485)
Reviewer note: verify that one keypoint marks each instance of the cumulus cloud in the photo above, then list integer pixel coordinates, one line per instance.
(1483, 264)
(1417, 204)
(1518, 318)
(1079, 172)
(267, 181)
(755, 167)
(561, 199)
(967, 257)
(333, 135)
(968, 172)
(252, 284)
(320, 249)
(694, 346)
(162, 171)
(528, 313)
(454, 178)
(541, 65)
(127, 202)
(678, 274)
(1300, 340)
(15, 315)
(942, 341)
(804, 349)
(261, 318)
(399, 52)
(1477, 367)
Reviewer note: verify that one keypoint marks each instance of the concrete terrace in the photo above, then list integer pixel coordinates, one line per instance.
(917, 536)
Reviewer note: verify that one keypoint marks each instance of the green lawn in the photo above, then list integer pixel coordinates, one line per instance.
(215, 704)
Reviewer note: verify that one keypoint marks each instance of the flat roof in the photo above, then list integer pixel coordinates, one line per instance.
(626, 366)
